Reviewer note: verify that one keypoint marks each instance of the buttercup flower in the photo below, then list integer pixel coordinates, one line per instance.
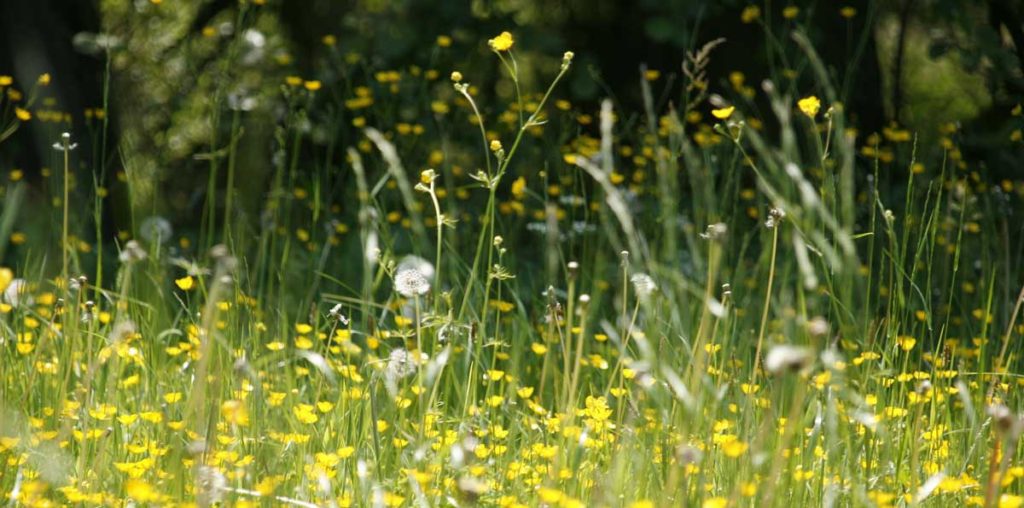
(502, 42)
(723, 113)
(809, 106)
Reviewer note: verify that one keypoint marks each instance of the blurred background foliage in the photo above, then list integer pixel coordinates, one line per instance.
(186, 83)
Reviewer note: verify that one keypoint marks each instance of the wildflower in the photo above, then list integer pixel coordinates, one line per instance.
(185, 283)
(1005, 422)
(502, 42)
(790, 12)
(444, 41)
(1010, 501)
(715, 231)
(456, 77)
(775, 216)
(750, 14)
(417, 263)
(23, 114)
(644, 285)
(723, 113)
(848, 12)
(400, 364)
(132, 253)
(235, 412)
(787, 358)
(335, 313)
(817, 327)
(155, 229)
(410, 282)
(210, 486)
(715, 502)
(495, 145)
(809, 106)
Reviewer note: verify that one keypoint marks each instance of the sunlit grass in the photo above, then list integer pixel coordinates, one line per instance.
(539, 305)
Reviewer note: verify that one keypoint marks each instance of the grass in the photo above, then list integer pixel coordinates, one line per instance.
(662, 308)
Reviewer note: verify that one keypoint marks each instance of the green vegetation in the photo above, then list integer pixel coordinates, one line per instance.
(439, 286)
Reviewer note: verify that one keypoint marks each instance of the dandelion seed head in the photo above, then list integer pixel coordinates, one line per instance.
(155, 229)
(787, 358)
(410, 283)
(1006, 422)
(210, 486)
(400, 364)
(132, 253)
(715, 231)
(16, 293)
(426, 268)
(643, 285)
(775, 216)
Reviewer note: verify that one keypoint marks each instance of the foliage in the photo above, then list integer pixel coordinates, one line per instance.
(450, 284)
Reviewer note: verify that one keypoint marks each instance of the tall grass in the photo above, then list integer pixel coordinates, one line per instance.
(688, 305)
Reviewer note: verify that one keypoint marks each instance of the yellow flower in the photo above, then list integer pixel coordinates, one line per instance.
(734, 448)
(185, 283)
(23, 114)
(848, 12)
(235, 412)
(790, 12)
(44, 79)
(6, 80)
(456, 76)
(312, 86)
(495, 145)
(444, 41)
(715, 502)
(723, 113)
(809, 106)
(6, 276)
(502, 42)
(141, 491)
(1010, 501)
(750, 14)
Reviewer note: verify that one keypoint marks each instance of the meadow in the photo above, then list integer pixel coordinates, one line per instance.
(730, 297)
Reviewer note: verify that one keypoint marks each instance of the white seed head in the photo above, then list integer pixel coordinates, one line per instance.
(426, 268)
(17, 293)
(400, 364)
(210, 486)
(132, 253)
(715, 231)
(410, 282)
(155, 229)
(644, 285)
(787, 358)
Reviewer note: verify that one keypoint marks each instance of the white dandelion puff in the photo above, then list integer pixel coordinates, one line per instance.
(715, 231)
(132, 253)
(411, 282)
(210, 486)
(17, 293)
(400, 364)
(644, 285)
(787, 358)
(155, 229)
(426, 268)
